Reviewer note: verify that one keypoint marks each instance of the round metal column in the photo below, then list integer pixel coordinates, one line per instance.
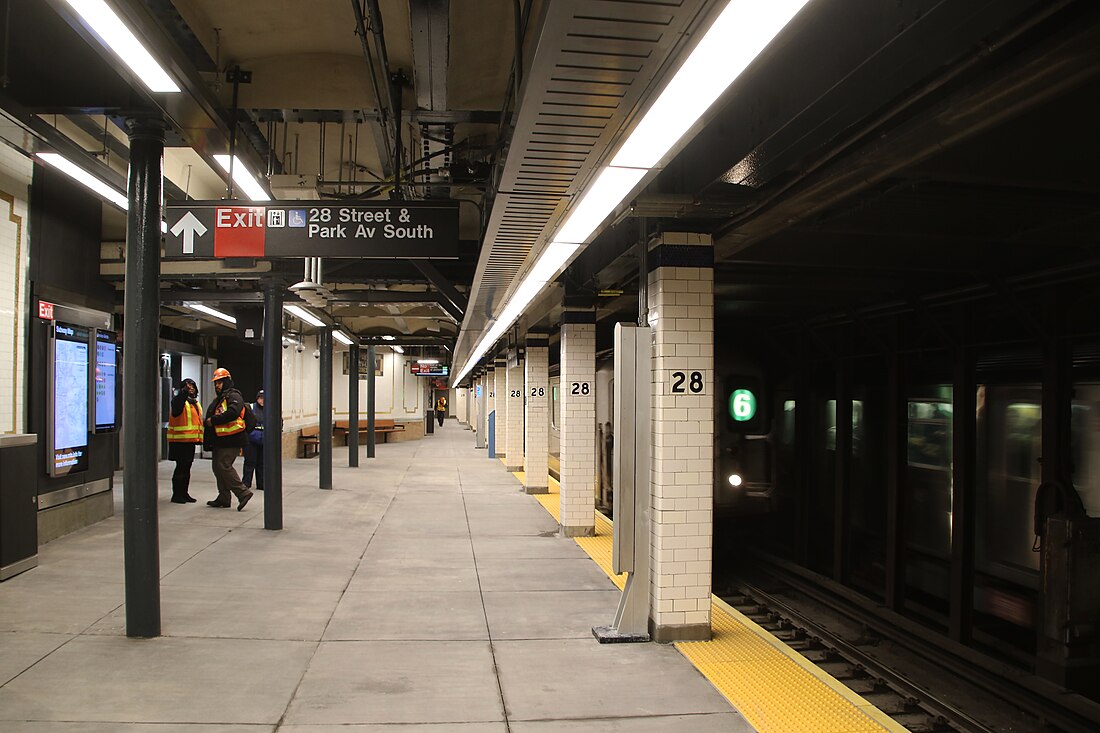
(273, 407)
(325, 408)
(141, 357)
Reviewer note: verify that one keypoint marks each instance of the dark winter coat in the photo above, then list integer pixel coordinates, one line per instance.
(233, 409)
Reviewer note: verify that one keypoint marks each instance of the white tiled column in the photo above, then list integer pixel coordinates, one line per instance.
(16, 172)
(500, 403)
(490, 384)
(537, 423)
(514, 448)
(681, 312)
(578, 423)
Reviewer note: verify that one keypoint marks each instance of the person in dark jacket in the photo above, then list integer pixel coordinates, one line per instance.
(225, 435)
(254, 453)
(184, 433)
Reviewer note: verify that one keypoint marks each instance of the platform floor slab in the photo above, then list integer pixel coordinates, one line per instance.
(424, 593)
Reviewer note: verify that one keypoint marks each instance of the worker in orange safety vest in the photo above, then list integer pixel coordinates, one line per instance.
(184, 433)
(225, 435)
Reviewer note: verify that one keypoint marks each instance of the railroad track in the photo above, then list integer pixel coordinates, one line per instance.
(911, 707)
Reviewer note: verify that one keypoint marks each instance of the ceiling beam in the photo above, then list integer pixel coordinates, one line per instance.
(451, 301)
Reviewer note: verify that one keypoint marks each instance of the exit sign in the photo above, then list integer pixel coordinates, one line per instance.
(45, 310)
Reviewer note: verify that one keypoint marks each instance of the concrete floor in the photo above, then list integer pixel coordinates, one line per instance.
(424, 594)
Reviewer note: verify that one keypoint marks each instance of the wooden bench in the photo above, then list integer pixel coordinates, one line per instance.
(309, 441)
(381, 427)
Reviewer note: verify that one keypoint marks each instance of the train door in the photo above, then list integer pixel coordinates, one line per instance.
(1006, 559)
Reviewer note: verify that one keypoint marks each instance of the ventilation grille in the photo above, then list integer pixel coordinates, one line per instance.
(596, 61)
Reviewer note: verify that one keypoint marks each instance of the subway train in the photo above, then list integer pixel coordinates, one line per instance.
(757, 482)
(780, 496)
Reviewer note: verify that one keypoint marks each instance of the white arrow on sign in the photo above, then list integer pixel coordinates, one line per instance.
(189, 225)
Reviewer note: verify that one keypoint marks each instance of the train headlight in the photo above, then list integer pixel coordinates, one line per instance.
(735, 479)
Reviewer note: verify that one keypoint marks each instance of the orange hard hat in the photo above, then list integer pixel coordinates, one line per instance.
(221, 373)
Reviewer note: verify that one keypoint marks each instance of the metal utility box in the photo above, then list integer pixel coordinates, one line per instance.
(18, 505)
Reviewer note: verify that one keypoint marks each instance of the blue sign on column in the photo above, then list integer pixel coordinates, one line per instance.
(493, 434)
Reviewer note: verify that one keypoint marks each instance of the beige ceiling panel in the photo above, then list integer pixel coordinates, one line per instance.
(482, 48)
(249, 29)
(185, 168)
(308, 81)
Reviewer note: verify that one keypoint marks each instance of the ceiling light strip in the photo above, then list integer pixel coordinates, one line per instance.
(243, 179)
(201, 308)
(303, 315)
(737, 36)
(116, 36)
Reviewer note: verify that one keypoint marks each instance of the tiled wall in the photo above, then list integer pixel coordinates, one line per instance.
(681, 312)
(537, 423)
(500, 401)
(578, 428)
(15, 179)
(515, 393)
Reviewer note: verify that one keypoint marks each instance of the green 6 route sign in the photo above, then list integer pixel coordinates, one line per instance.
(742, 405)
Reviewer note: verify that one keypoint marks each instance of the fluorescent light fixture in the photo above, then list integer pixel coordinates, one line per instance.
(387, 337)
(551, 260)
(610, 188)
(243, 179)
(742, 31)
(427, 361)
(212, 312)
(78, 174)
(117, 37)
(398, 348)
(303, 315)
(738, 35)
(339, 336)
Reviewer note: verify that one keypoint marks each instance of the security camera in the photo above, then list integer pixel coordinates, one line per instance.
(316, 353)
(299, 348)
(286, 344)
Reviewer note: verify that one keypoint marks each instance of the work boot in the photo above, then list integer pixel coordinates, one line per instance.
(176, 499)
(218, 503)
(242, 500)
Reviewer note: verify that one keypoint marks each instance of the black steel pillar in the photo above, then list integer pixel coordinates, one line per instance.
(325, 410)
(430, 427)
(353, 405)
(141, 358)
(897, 427)
(273, 407)
(964, 436)
(370, 401)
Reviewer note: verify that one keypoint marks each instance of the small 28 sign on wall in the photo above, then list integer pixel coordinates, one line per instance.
(686, 382)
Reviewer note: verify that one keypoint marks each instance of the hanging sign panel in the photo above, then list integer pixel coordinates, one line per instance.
(373, 229)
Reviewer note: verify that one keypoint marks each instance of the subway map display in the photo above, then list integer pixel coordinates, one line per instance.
(69, 399)
(105, 369)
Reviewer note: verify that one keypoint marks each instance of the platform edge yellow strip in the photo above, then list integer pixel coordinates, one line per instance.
(836, 685)
(599, 549)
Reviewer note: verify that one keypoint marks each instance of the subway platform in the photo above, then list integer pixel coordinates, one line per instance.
(424, 593)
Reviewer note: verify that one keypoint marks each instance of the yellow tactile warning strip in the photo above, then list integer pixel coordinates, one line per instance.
(774, 687)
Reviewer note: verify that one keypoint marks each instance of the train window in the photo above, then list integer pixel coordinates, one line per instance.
(930, 435)
(857, 426)
(1085, 441)
(786, 434)
(555, 408)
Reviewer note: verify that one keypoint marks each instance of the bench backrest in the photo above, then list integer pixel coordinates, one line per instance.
(378, 424)
(311, 431)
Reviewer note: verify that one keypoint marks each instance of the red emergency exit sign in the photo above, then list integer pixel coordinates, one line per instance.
(239, 231)
(45, 310)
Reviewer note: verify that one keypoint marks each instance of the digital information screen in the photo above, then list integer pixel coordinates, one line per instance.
(430, 370)
(70, 398)
(106, 367)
